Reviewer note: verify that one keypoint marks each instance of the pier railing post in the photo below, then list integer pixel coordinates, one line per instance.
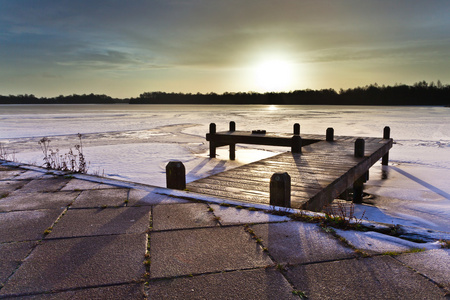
(280, 189)
(296, 129)
(232, 126)
(212, 145)
(296, 146)
(175, 175)
(359, 147)
(330, 134)
(386, 135)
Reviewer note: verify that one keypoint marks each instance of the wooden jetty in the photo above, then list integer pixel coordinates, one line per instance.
(315, 172)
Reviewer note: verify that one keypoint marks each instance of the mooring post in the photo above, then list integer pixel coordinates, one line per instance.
(280, 189)
(386, 135)
(212, 145)
(232, 126)
(359, 147)
(296, 129)
(296, 146)
(175, 175)
(330, 134)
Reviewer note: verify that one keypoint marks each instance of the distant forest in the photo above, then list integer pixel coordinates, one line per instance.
(420, 93)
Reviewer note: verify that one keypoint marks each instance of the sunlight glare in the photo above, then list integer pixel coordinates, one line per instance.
(274, 75)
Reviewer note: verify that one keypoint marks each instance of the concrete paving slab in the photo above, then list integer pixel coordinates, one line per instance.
(27, 225)
(78, 184)
(124, 291)
(369, 278)
(102, 221)
(44, 185)
(434, 264)
(32, 201)
(12, 255)
(373, 242)
(177, 216)
(9, 186)
(141, 197)
(297, 242)
(248, 284)
(79, 262)
(194, 251)
(101, 198)
(232, 215)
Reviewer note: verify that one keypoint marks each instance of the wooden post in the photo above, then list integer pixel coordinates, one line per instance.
(232, 126)
(386, 135)
(358, 187)
(359, 147)
(330, 134)
(212, 145)
(296, 129)
(280, 189)
(232, 151)
(296, 144)
(175, 175)
(232, 146)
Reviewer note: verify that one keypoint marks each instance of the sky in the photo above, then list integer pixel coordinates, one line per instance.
(124, 48)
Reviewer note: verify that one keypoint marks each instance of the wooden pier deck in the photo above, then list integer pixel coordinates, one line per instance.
(320, 173)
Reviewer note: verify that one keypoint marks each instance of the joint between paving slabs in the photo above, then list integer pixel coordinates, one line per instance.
(56, 291)
(440, 286)
(215, 217)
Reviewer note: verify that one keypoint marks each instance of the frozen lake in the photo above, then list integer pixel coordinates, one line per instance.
(135, 142)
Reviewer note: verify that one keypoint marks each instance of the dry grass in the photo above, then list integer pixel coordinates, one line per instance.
(6, 155)
(72, 161)
(341, 214)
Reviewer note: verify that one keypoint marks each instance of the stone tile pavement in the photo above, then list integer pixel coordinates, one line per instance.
(72, 237)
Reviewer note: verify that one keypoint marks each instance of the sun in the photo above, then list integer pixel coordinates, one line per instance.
(273, 75)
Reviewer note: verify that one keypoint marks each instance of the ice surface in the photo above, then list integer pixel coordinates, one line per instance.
(135, 142)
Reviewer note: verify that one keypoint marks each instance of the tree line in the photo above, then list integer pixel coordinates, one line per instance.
(420, 93)
(70, 99)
